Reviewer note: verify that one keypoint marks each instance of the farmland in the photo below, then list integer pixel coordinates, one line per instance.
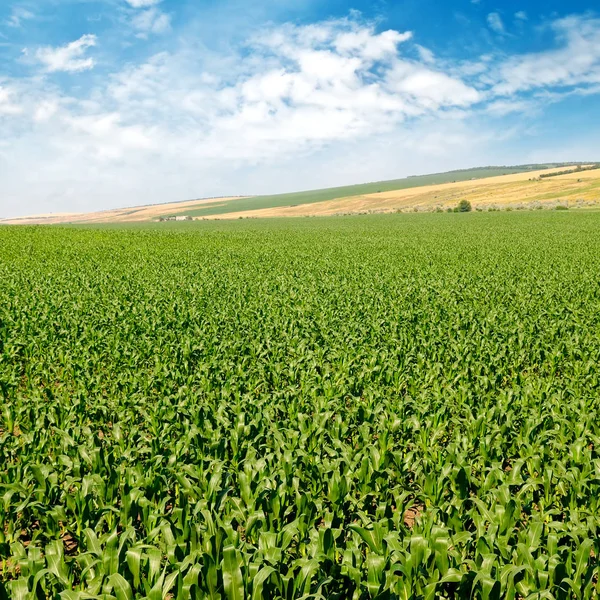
(484, 187)
(525, 190)
(385, 406)
(307, 198)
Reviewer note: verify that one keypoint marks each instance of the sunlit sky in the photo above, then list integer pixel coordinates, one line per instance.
(109, 103)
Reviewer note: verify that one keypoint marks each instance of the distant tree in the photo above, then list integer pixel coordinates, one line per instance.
(464, 206)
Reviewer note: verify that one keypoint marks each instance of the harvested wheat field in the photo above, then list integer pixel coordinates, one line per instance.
(138, 214)
(544, 188)
(521, 190)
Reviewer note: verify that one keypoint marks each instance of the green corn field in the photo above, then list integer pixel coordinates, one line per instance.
(400, 406)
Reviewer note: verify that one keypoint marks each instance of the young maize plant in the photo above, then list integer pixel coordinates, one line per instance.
(383, 407)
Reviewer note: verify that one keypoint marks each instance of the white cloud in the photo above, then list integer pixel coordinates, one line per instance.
(576, 62)
(7, 105)
(291, 92)
(425, 54)
(70, 58)
(521, 15)
(45, 110)
(496, 24)
(432, 89)
(105, 137)
(322, 88)
(371, 47)
(297, 106)
(18, 15)
(502, 107)
(151, 21)
(302, 88)
(142, 3)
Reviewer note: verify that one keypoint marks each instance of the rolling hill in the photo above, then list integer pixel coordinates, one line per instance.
(519, 186)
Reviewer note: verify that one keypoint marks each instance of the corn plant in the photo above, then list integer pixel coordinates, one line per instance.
(401, 406)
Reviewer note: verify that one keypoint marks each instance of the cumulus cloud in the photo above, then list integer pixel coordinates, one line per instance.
(181, 123)
(332, 82)
(306, 86)
(432, 89)
(70, 58)
(290, 91)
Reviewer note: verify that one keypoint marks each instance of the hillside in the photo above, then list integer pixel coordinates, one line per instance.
(525, 190)
(485, 187)
(316, 196)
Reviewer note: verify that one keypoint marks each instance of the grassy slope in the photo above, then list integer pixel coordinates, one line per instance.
(313, 196)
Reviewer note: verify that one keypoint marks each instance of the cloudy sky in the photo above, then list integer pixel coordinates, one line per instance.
(108, 103)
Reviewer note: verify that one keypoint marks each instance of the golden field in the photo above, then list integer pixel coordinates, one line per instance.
(521, 190)
(137, 214)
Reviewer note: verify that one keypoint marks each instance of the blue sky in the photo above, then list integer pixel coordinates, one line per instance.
(108, 103)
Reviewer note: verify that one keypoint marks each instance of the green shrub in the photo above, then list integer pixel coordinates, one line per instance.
(464, 206)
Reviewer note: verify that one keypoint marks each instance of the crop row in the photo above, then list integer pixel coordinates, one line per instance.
(377, 407)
